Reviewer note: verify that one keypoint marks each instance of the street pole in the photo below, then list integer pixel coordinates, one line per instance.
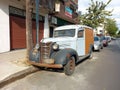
(29, 41)
(37, 23)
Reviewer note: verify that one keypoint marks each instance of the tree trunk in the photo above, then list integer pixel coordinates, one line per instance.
(29, 40)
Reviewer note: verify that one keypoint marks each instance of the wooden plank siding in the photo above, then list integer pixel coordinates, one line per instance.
(89, 39)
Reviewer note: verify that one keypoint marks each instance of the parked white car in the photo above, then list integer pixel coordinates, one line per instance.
(97, 44)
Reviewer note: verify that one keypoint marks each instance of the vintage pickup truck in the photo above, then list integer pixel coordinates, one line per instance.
(68, 46)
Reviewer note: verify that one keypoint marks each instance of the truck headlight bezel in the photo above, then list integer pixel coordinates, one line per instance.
(55, 46)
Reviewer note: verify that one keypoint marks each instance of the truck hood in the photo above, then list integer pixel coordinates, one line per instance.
(45, 40)
(64, 42)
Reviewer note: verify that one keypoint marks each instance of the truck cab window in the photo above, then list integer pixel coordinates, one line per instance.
(80, 34)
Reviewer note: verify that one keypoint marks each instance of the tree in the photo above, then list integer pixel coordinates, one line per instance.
(119, 32)
(29, 40)
(111, 27)
(96, 14)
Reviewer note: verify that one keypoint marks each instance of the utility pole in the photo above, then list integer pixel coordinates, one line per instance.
(29, 40)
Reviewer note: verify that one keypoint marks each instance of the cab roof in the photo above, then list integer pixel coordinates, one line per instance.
(71, 27)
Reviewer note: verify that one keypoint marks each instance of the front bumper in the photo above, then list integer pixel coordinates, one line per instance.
(46, 65)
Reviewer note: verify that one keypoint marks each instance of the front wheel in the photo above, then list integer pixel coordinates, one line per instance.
(70, 66)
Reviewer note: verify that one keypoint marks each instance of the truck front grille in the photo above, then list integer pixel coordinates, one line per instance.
(45, 51)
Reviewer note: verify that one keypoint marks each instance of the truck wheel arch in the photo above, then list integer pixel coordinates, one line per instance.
(62, 56)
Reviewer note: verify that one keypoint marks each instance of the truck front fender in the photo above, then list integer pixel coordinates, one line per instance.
(62, 56)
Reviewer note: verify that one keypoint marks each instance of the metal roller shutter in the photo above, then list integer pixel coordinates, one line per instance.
(18, 32)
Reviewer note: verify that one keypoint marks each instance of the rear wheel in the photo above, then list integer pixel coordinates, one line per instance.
(90, 54)
(70, 66)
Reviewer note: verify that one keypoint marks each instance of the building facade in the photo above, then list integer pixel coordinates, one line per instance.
(13, 20)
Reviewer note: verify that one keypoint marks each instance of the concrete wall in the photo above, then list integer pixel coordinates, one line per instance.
(4, 22)
(4, 27)
(19, 4)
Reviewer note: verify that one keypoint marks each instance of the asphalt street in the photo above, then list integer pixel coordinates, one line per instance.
(102, 72)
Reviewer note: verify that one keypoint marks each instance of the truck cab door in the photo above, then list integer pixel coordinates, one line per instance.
(80, 47)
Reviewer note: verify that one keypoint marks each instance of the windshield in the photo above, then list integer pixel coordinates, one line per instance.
(103, 38)
(65, 32)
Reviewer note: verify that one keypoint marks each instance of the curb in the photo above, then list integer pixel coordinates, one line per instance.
(18, 75)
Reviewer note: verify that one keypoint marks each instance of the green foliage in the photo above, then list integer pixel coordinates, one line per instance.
(96, 14)
(119, 33)
(111, 26)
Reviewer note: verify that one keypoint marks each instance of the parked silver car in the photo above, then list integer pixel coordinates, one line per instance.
(108, 38)
(97, 43)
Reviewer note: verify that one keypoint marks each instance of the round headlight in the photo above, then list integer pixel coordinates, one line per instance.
(55, 46)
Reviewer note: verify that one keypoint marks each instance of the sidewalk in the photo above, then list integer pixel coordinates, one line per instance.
(12, 68)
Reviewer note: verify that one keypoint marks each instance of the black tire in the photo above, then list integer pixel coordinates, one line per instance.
(99, 49)
(90, 54)
(70, 66)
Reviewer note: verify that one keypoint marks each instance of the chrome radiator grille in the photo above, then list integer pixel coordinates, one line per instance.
(45, 51)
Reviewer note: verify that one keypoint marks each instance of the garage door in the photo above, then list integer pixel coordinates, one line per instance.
(18, 32)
